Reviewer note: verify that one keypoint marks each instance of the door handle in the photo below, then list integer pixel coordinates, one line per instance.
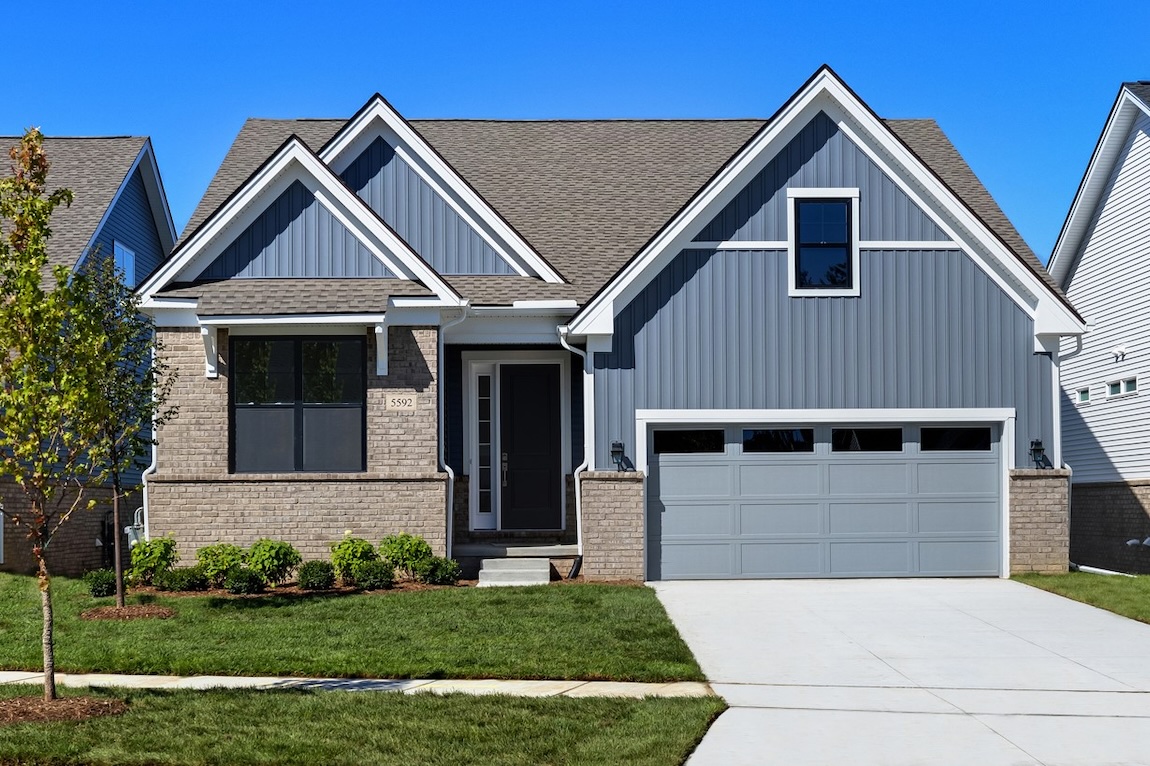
(504, 469)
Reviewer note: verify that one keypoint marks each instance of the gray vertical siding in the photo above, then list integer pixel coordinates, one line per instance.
(131, 222)
(821, 156)
(296, 237)
(716, 330)
(419, 215)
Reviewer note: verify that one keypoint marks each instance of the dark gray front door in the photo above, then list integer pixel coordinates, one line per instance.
(531, 447)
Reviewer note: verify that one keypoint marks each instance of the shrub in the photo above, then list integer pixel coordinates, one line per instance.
(373, 575)
(151, 557)
(101, 582)
(438, 571)
(316, 575)
(405, 552)
(347, 553)
(242, 581)
(182, 579)
(219, 559)
(273, 559)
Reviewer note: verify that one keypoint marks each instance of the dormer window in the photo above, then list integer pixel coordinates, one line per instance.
(823, 242)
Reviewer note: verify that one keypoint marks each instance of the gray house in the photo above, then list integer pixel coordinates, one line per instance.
(119, 210)
(807, 346)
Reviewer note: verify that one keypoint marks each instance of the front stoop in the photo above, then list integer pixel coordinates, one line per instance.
(514, 571)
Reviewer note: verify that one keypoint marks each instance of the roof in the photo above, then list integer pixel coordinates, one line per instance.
(94, 169)
(1140, 88)
(295, 296)
(588, 194)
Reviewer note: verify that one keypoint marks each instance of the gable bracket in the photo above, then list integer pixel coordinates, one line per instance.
(381, 348)
(210, 336)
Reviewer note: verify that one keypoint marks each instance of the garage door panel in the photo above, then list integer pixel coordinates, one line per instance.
(951, 478)
(697, 560)
(958, 517)
(867, 478)
(780, 518)
(860, 559)
(695, 480)
(775, 480)
(697, 520)
(946, 557)
(781, 559)
(870, 518)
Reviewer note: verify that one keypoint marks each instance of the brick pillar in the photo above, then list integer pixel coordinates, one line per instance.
(1039, 520)
(613, 525)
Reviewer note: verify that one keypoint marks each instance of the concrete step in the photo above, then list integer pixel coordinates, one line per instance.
(509, 550)
(516, 565)
(506, 572)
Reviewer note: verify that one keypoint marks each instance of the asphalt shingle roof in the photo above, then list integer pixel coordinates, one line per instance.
(1140, 88)
(237, 297)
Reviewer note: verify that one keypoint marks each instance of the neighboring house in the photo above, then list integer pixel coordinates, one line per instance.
(1102, 261)
(118, 209)
(816, 337)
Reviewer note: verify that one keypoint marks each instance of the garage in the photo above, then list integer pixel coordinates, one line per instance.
(753, 500)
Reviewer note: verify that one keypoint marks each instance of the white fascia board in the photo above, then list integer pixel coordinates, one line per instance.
(557, 312)
(361, 320)
(860, 415)
(378, 118)
(1094, 183)
(172, 316)
(485, 329)
(561, 305)
(158, 199)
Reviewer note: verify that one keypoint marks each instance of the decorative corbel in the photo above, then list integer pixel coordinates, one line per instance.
(211, 353)
(381, 348)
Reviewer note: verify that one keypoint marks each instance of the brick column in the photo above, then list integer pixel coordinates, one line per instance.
(1039, 520)
(613, 525)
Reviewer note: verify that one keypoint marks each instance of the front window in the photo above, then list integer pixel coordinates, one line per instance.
(822, 242)
(298, 404)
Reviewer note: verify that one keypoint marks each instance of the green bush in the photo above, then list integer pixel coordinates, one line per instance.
(273, 559)
(101, 582)
(182, 579)
(151, 557)
(405, 552)
(316, 575)
(372, 575)
(347, 553)
(219, 559)
(438, 571)
(242, 581)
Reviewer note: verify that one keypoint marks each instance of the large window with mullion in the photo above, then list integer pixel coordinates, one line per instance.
(298, 404)
(823, 244)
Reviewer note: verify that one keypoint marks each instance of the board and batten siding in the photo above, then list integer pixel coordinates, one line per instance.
(296, 236)
(131, 223)
(419, 215)
(716, 330)
(1105, 440)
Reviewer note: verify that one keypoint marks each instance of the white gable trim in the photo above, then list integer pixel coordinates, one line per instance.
(1125, 113)
(378, 118)
(294, 162)
(825, 92)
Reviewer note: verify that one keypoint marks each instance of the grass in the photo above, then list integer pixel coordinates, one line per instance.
(1127, 596)
(569, 631)
(291, 727)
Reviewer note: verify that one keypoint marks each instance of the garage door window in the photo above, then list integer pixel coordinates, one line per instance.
(778, 440)
(688, 442)
(866, 440)
(955, 440)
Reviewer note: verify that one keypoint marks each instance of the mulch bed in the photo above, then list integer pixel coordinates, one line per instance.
(131, 612)
(36, 710)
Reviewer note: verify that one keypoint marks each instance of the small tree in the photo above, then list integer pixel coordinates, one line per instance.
(135, 384)
(50, 409)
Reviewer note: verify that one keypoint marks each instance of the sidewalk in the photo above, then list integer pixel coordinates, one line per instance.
(407, 686)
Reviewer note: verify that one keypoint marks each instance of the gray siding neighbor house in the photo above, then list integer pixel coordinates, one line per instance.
(809, 346)
(1100, 260)
(119, 210)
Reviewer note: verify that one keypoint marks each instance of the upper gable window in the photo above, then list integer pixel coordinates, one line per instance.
(822, 242)
(125, 263)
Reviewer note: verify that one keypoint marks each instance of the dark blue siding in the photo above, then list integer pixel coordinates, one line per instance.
(821, 156)
(716, 330)
(296, 237)
(131, 223)
(419, 215)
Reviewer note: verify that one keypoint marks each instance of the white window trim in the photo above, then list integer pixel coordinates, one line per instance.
(830, 193)
(1121, 382)
(1078, 398)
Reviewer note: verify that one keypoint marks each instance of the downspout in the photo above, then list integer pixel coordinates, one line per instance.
(443, 466)
(588, 440)
(151, 469)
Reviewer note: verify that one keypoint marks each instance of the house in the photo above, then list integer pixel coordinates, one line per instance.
(119, 209)
(805, 346)
(1099, 260)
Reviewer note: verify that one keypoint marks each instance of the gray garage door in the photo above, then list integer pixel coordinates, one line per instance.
(746, 500)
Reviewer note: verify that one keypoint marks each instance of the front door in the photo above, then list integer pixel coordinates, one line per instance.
(530, 447)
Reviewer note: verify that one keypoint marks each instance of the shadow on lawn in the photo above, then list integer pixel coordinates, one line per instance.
(272, 600)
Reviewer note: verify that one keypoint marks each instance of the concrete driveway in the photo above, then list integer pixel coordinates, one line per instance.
(972, 671)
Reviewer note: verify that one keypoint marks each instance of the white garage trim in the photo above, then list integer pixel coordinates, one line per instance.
(645, 419)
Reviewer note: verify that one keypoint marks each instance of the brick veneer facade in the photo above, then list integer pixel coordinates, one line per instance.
(1103, 517)
(73, 551)
(613, 525)
(193, 497)
(1039, 520)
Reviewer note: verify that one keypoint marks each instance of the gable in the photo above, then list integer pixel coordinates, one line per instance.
(295, 236)
(131, 222)
(419, 214)
(821, 156)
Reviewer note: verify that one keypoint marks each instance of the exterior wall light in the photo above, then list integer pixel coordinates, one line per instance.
(1038, 454)
(617, 455)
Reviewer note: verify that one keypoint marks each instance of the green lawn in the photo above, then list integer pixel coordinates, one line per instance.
(1127, 596)
(569, 631)
(285, 727)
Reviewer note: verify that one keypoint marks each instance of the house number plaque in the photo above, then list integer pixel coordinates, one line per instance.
(401, 403)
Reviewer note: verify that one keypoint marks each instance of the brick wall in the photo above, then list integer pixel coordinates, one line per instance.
(1103, 517)
(1039, 520)
(73, 551)
(613, 525)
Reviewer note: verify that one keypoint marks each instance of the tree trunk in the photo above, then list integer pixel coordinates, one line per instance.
(49, 649)
(116, 536)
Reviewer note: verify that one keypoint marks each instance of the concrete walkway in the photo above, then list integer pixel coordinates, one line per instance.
(890, 672)
(407, 686)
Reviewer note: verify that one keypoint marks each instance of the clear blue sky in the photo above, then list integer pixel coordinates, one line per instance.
(1021, 88)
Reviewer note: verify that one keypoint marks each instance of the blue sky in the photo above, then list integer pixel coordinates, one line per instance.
(1021, 89)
